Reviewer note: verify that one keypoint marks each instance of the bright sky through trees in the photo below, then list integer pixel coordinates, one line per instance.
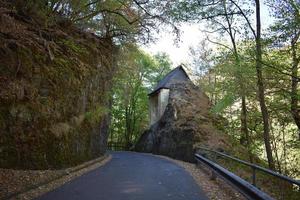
(191, 35)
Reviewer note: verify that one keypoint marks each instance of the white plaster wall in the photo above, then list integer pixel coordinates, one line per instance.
(158, 104)
(163, 99)
(153, 108)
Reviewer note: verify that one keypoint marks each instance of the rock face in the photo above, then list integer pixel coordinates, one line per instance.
(185, 124)
(54, 93)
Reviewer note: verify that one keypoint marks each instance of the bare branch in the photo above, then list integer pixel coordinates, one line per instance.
(93, 14)
(245, 17)
(278, 71)
(220, 44)
(219, 15)
(200, 3)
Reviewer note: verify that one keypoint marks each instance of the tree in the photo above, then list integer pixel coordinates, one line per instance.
(287, 26)
(138, 73)
(226, 11)
(224, 16)
(122, 20)
(239, 75)
(261, 87)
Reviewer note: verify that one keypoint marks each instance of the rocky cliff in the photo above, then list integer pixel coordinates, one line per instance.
(185, 125)
(54, 92)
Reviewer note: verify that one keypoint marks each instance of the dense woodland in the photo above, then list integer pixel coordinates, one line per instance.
(250, 72)
(252, 78)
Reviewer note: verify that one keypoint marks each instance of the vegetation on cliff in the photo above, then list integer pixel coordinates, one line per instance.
(55, 84)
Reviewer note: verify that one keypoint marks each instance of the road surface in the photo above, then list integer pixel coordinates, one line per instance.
(131, 176)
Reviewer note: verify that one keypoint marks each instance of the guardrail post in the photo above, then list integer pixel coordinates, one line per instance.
(253, 176)
(198, 164)
(281, 189)
(213, 175)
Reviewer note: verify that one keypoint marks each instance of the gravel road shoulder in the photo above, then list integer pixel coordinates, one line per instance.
(216, 189)
(29, 184)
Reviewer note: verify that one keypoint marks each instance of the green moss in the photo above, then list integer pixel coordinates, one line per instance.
(40, 57)
(94, 116)
(46, 92)
(62, 62)
(70, 44)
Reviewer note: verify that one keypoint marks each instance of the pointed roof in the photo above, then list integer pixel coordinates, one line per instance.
(176, 75)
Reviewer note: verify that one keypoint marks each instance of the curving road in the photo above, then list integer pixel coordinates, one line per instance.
(131, 176)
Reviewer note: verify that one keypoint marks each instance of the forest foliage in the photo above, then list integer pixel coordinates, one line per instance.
(251, 73)
(138, 74)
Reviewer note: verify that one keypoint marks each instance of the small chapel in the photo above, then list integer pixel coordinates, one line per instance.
(158, 98)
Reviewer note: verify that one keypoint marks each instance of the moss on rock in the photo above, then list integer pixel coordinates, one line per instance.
(54, 85)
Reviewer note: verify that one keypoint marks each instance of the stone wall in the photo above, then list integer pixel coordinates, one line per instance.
(55, 87)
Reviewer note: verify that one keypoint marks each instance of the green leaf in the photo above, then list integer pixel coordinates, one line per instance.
(225, 102)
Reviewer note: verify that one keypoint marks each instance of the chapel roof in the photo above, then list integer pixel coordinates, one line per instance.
(176, 75)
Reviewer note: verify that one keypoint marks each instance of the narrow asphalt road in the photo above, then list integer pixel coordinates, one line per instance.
(131, 176)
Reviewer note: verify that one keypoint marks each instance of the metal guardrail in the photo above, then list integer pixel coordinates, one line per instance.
(249, 190)
(255, 167)
(115, 146)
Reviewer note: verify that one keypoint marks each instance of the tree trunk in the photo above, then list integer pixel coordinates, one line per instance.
(244, 127)
(275, 148)
(294, 85)
(261, 88)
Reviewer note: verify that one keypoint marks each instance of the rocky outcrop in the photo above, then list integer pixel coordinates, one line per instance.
(185, 124)
(54, 91)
